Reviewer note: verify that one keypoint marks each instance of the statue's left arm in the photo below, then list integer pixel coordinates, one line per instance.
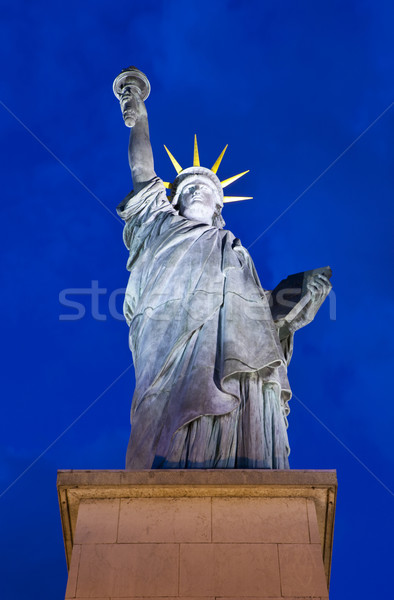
(318, 287)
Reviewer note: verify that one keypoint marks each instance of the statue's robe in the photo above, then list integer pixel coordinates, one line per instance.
(211, 378)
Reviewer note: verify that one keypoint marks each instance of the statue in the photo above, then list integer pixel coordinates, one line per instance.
(210, 345)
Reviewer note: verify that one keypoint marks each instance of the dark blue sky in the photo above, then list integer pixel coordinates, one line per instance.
(290, 86)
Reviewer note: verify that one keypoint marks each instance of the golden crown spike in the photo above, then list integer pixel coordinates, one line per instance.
(176, 164)
(219, 160)
(236, 198)
(196, 157)
(214, 169)
(227, 182)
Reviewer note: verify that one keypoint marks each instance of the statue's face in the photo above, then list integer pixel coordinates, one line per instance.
(198, 200)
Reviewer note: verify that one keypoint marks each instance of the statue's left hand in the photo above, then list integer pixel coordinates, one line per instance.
(132, 105)
(319, 287)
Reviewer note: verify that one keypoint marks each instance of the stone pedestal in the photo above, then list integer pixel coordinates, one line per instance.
(192, 534)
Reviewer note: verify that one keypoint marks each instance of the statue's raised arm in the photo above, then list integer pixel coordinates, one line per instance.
(132, 87)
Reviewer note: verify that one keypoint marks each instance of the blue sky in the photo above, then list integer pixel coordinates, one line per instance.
(302, 92)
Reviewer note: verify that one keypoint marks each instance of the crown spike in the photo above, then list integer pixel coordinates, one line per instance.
(176, 164)
(236, 198)
(196, 158)
(219, 160)
(227, 182)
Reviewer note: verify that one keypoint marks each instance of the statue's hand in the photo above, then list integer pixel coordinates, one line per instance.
(319, 287)
(133, 107)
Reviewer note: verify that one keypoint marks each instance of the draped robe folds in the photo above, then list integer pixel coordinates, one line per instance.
(201, 336)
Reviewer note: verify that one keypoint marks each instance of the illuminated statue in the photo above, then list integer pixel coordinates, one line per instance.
(210, 358)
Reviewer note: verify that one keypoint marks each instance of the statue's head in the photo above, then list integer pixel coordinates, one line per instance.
(197, 192)
(198, 195)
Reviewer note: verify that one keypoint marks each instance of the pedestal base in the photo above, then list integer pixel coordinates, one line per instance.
(197, 534)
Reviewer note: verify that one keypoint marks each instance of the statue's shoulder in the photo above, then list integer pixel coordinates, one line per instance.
(148, 193)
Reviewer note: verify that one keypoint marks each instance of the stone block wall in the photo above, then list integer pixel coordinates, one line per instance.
(206, 547)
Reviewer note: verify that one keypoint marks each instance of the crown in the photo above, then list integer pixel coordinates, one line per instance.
(196, 169)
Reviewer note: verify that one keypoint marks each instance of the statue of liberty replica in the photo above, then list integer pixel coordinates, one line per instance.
(210, 345)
